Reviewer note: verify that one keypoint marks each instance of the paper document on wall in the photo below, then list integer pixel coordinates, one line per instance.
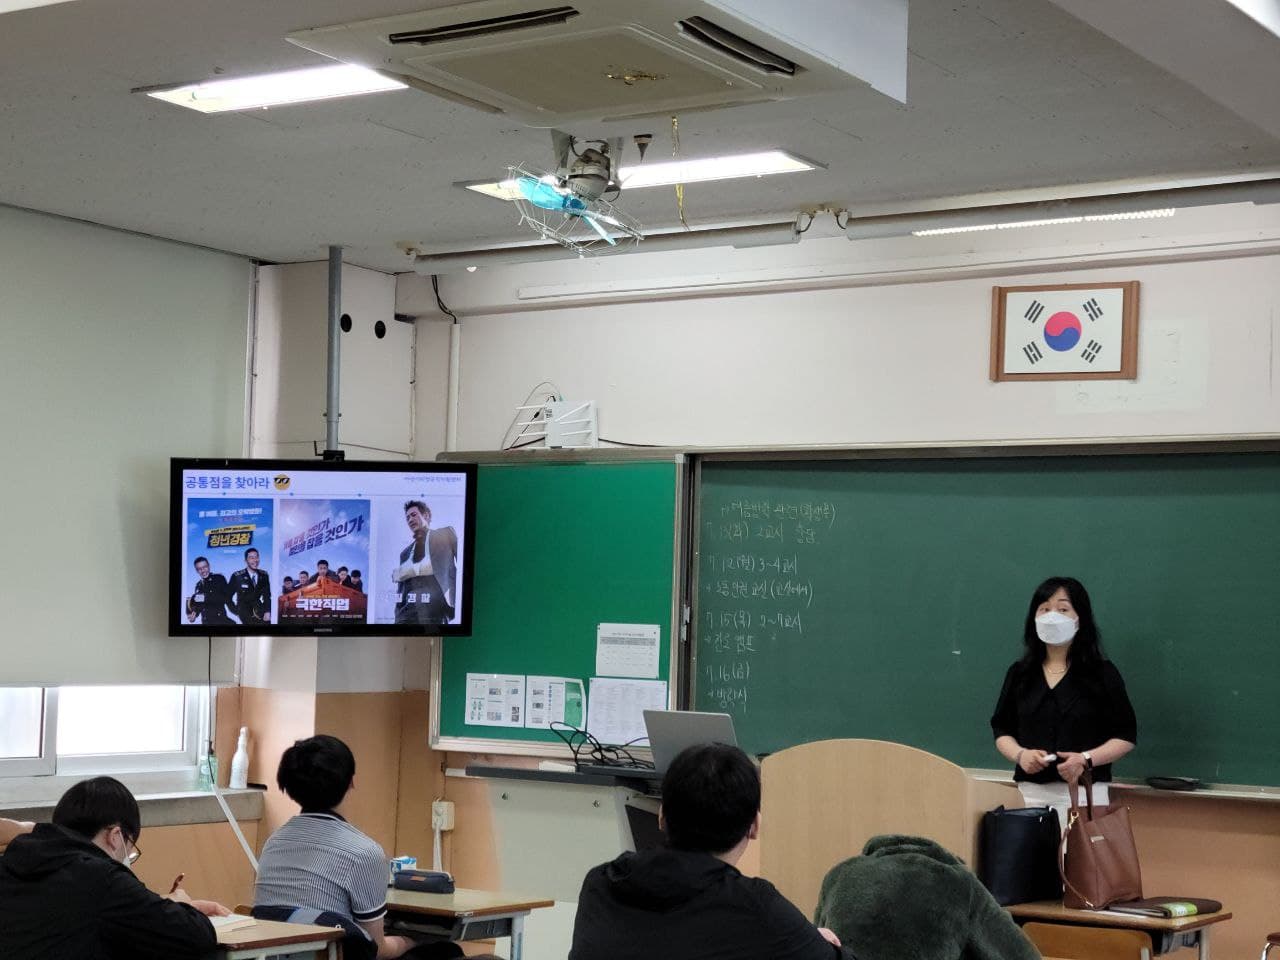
(495, 700)
(551, 700)
(615, 709)
(627, 649)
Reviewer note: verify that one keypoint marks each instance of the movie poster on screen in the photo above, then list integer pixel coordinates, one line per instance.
(227, 549)
(324, 551)
(419, 564)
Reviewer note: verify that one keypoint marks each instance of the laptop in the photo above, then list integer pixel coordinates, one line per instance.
(671, 731)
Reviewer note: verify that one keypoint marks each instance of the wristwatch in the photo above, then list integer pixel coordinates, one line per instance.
(1088, 759)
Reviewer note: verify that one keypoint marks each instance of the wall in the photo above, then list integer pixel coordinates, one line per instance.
(209, 855)
(278, 705)
(359, 699)
(290, 360)
(833, 342)
(119, 352)
(371, 693)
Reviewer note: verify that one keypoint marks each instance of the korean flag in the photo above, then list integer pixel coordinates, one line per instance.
(1063, 331)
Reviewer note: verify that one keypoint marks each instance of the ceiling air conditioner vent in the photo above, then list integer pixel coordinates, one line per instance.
(729, 44)
(559, 63)
(472, 29)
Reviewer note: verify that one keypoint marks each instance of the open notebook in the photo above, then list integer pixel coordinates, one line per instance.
(233, 922)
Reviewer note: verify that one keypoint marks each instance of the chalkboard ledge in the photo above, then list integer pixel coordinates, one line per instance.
(1221, 791)
(561, 776)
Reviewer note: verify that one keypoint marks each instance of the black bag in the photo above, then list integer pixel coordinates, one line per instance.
(1019, 854)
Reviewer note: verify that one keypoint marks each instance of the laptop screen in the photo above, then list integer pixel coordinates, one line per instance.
(671, 731)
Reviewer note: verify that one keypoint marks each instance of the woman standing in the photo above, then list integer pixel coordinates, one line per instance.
(1063, 707)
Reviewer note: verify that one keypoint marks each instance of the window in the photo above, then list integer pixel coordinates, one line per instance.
(113, 729)
(28, 721)
(88, 730)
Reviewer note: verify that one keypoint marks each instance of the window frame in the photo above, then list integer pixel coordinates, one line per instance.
(44, 765)
(195, 726)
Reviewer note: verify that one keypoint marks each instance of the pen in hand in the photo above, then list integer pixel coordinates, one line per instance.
(177, 882)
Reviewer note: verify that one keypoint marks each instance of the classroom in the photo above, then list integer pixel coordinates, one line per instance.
(835, 346)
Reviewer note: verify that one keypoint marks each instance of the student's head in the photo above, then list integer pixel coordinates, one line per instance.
(1068, 597)
(417, 515)
(302, 576)
(251, 558)
(317, 772)
(104, 811)
(322, 568)
(202, 567)
(342, 572)
(355, 574)
(288, 584)
(710, 798)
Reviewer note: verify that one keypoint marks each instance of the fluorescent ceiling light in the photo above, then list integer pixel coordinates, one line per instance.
(276, 89)
(712, 168)
(1016, 224)
(762, 164)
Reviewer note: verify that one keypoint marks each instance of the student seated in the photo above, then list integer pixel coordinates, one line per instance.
(317, 868)
(687, 901)
(906, 898)
(66, 890)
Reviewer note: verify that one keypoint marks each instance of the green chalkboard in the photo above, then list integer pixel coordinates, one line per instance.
(560, 548)
(885, 599)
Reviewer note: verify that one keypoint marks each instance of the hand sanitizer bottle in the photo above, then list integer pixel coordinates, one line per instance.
(240, 762)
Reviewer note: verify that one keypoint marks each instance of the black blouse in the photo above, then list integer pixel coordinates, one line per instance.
(1087, 708)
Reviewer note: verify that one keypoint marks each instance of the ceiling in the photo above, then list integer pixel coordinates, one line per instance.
(1002, 95)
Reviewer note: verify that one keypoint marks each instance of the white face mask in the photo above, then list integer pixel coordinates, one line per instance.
(1056, 629)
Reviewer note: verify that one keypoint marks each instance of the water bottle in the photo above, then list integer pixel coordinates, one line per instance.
(207, 772)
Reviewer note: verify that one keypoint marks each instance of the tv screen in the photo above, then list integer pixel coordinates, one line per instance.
(338, 548)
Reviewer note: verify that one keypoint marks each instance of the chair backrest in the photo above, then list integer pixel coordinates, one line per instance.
(1088, 943)
(822, 801)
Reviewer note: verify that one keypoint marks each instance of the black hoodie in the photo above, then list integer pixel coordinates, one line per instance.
(679, 905)
(64, 898)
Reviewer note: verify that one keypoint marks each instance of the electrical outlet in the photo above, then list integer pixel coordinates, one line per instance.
(442, 815)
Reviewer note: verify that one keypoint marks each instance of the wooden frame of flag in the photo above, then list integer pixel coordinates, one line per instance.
(1065, 331)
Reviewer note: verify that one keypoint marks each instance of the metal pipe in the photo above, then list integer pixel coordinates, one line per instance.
(455, 388)
(904, 224)
(331, 413)
(755, 235)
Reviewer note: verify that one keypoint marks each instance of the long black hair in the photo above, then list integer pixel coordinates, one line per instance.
(1086, 648)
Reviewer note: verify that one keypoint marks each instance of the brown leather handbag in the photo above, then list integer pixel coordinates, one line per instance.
(1097, 857)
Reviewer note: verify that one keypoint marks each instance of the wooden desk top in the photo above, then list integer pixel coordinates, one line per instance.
(462, 903)
(272, 933)
(1054, 912)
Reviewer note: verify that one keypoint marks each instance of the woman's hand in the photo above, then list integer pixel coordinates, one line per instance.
(829, 936)
(1032, 761)
(1071, 766)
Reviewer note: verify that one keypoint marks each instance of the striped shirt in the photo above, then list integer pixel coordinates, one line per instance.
(319, 860)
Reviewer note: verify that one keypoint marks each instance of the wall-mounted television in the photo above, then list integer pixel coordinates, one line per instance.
(335, 548)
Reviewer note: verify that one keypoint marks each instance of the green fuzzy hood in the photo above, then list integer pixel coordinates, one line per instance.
(908, 898)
